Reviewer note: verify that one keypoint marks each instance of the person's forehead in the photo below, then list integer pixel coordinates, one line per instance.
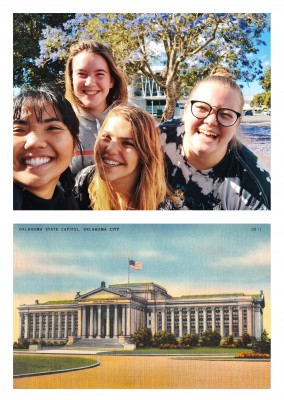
(118, 126)
(85, 59)
(217, 94)
(43, 109)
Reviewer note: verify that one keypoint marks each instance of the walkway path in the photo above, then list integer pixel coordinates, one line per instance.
(157, 372)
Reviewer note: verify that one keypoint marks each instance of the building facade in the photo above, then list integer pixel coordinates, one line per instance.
(119, 310)
(147, 94)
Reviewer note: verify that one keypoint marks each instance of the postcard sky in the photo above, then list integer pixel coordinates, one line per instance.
(184, 259)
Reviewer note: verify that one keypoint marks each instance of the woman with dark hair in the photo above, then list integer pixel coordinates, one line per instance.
(94, 85)
(45, 133)
(206, 164)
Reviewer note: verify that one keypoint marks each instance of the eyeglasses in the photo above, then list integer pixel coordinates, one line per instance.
(225, 116)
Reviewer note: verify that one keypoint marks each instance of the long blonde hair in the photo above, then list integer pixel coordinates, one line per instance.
(151, 187)
(118, 93)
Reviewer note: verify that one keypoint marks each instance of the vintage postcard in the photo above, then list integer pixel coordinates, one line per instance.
(142, 306)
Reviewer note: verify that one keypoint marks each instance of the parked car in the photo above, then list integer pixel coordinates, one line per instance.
(266, 112)
(248, 112)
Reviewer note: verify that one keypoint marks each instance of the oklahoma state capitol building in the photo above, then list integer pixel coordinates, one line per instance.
(117, 311)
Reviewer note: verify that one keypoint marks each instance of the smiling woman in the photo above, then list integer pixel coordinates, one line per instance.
(94, 85)
(206, 164)
(129, 172)
(45, 131)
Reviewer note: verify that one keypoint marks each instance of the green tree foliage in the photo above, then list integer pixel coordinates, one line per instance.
(190, 340)
(264, 99)
(228, 341)
(21, 344)
(244, 341)
(264, 345)
(210, 338)
(142, 338)
(27, 33)
(187, 45)
(162, 338)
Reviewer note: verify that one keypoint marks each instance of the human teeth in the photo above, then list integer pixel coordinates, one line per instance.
(37, 161)
(112, 163)
(208, 133)
(91, 92)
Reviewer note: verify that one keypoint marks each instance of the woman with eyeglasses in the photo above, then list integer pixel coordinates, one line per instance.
(206, 164)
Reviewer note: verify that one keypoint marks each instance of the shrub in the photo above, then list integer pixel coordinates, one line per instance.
(210, 338)
(142, 337)
(246, 339)
(163, 337)
(228, 342)
(190, 339)
(263, 345)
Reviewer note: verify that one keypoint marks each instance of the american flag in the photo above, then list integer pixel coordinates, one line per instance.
(135, 264)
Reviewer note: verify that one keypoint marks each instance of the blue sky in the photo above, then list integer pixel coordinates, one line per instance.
(184, 259)
(264, 55)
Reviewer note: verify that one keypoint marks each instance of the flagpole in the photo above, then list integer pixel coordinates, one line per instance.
(128, 270)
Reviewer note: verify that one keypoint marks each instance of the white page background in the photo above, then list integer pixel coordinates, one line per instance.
(8, 217)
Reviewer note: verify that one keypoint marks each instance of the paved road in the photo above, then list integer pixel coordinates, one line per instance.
(156, 372)
(263, 120)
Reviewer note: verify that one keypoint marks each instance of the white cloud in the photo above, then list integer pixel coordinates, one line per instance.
(259, 256)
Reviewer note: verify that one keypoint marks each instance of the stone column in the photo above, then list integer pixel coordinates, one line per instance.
(84, 322)
(249, 321)
(59, 325)
(222, 322)
(46, 326)
(79, 333)
(164, 328)
(231, 320)
(53, 325)
(115, 321)
(188, 321)
(123, 330)
(107, 322)
(26, 331)
(128, 320)
(180, 322)
(99, 321)
(240, 317)
(95, 321)
(173, 321)
(40, 326)
(66, 325)
(154, 321)
(73, 324)
(91, 321)
(257, 319)
(34, 325)
(204, 319)
(213, 319)
(196, 321)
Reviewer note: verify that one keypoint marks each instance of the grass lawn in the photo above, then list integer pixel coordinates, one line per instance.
(27, 364)
(194, 350)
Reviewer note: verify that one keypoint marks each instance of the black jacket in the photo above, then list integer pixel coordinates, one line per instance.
(25, 200)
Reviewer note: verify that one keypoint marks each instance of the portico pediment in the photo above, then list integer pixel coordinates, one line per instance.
(100, 294)
(103, 295)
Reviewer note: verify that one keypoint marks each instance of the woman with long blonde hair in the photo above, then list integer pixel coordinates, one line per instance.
(129, 168)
